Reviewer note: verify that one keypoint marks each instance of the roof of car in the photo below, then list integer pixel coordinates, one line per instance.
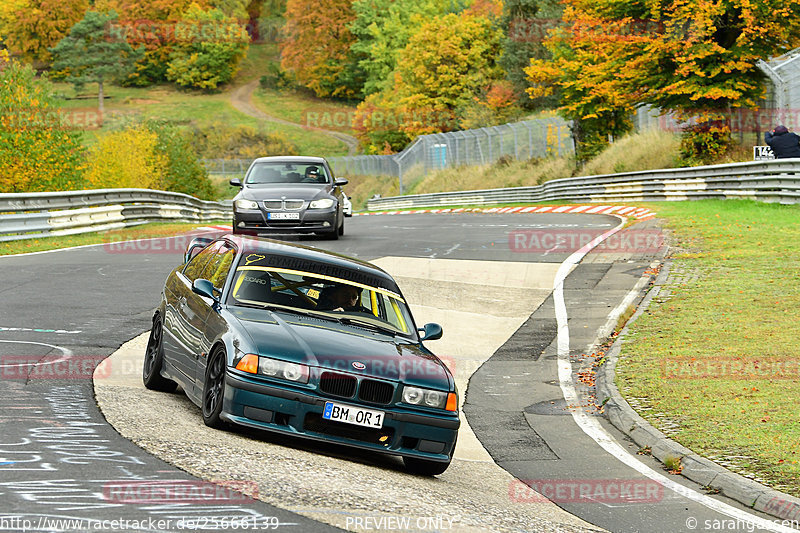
(299, 252)
(291, 159)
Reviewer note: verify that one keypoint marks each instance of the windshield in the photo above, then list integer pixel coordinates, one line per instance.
(330, 297)
(261, 173)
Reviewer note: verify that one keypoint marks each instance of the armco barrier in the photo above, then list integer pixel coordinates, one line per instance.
(770, 181)
(30, 215)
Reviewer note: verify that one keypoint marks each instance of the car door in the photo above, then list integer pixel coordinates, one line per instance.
(216, 271)
(186, 316)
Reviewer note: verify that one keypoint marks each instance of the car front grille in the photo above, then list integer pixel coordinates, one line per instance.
(337, 384)
(274, 205)
(375, 391)
(315, 423)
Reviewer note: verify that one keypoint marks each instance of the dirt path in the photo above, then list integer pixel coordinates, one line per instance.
(242, 99)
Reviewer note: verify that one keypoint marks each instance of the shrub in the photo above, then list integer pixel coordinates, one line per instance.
(183, 171)
(221, 140)
(38, 151)
(127, 158)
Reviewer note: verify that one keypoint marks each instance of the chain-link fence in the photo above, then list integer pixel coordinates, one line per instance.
(784, 94)
(518, 140)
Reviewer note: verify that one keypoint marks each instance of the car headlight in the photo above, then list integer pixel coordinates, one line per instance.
(273, 368)
(246, 204)
(430, 398)
(325, 203)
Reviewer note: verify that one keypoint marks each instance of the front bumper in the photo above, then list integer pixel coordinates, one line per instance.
(252, 403)
(310, 221)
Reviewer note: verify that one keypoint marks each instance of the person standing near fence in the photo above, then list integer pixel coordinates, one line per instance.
(784, 143)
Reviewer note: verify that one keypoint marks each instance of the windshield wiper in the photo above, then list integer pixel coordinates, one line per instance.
(367, 325)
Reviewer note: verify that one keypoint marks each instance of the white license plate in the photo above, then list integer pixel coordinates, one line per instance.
(353, 415)
(283, 216)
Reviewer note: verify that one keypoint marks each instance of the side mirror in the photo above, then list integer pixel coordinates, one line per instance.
(341, 182)
(203, 287)
(236, 182)
(195, 245)
(431, 332)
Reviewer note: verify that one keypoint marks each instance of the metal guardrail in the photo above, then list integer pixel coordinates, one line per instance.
(47, 214)
(770, 181)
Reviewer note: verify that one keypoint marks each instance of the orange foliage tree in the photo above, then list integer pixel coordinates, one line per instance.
(316, 47)
(32, 27)
(695, 57)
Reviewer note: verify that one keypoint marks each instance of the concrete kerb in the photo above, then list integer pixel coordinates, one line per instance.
(702, 471)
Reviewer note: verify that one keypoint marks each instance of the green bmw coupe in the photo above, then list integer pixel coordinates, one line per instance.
(304, 342)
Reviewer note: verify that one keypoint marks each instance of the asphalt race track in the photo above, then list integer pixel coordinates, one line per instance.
(61, 460)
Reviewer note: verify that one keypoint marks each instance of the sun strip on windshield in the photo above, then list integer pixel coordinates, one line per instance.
(326, 278)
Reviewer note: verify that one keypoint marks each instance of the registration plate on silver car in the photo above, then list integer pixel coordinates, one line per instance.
(283, 216)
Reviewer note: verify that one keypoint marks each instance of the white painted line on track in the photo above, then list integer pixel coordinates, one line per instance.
(66, 351)
(592, 427)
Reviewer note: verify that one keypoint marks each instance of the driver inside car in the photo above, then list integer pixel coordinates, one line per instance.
(312, 174)
(341, 298)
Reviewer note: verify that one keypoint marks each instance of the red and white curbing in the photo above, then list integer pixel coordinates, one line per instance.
(639, 213)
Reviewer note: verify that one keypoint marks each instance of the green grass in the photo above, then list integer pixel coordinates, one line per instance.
(742, 308)
(158, 229)
(180, 106)
(304, 108)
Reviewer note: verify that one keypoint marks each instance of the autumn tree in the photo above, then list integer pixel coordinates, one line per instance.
(208, 50)
(86, 55)
(317, 47)
(38, 150)
(694, 57)
(448, 62)
(32, 27)
(383, 28)
(150, 25)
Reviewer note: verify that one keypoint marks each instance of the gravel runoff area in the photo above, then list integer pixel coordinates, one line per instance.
(339, 485)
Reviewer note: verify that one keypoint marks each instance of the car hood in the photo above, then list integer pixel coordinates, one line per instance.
(305, 192)
(327, 344)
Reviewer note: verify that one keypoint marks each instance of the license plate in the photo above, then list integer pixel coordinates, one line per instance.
(353, 415)
(283, 216)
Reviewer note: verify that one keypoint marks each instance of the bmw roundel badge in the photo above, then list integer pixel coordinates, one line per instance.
(358, 365)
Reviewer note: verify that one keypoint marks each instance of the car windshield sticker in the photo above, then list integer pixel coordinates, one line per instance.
(296, 264)
(253, 258)
(326, 278)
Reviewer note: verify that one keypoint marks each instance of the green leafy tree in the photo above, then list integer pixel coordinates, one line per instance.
(183, 171)
(38, 150)
(86, 55)
(525, 25)
(205, 60)
(383, 28)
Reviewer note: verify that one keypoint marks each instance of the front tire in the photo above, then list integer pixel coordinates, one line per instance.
(424, 467)
(214, 390)
(154, 360)
(341, 229)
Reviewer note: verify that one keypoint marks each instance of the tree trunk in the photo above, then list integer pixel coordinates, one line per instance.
(100, 101)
